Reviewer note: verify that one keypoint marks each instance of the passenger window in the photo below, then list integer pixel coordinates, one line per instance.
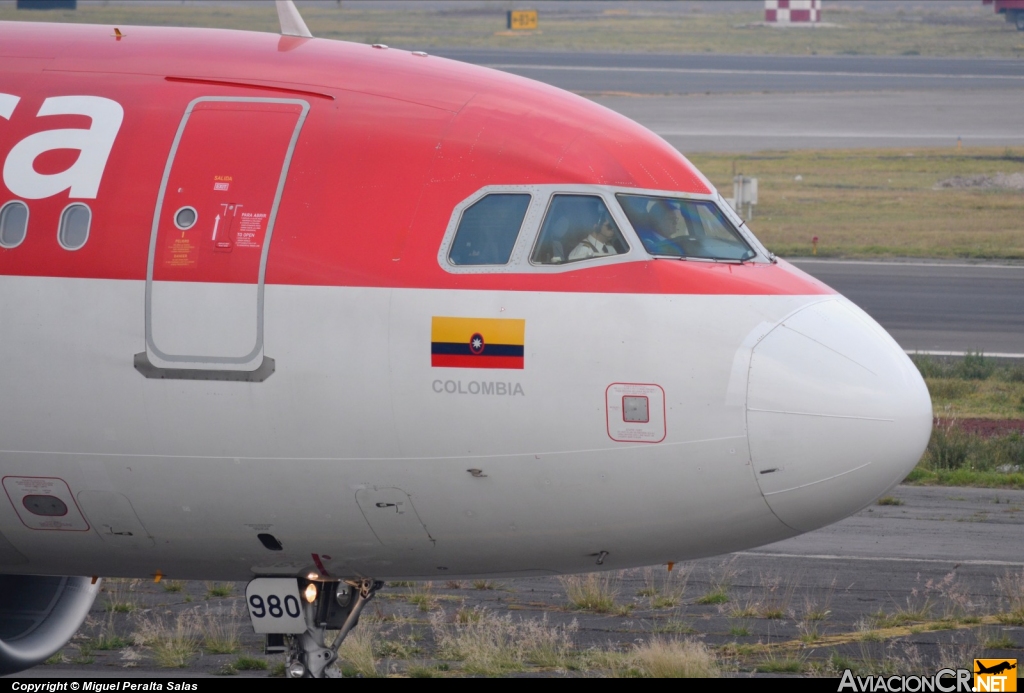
(74, 226)
(577, 227)
(488, 230)
(684, 228)
(13, 223)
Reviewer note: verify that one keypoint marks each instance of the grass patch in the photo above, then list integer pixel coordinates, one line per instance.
(809, 633)
(718, 595)
(420, 672)
(214, 589)
(492, 645)
(1002, 641)
(220, 632)
(675, 659)
(485, 585)
(974, 386)
(172, 643)
(357, 657)
(108, 642)
(664, 589)
(422, 596)
(57, 658)
(916, 613)
(121, 595)
(172, 586)
(780, 665)
(590, 592)
(1011, 598)
(247, 663)
(890, 500)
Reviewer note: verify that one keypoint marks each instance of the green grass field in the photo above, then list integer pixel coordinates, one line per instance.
(933, 29)
(969, 388)
(879, 202)
(974, 387)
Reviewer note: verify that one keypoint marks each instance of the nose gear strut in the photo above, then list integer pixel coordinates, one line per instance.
(336, 607)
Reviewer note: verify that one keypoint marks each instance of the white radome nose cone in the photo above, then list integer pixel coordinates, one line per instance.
(837, 414)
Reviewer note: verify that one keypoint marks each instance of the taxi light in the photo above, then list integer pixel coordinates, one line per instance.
(310, 592)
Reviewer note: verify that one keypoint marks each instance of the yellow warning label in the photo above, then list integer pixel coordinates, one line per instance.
(181, 253)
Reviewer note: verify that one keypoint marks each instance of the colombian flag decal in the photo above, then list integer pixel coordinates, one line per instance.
(477, 343)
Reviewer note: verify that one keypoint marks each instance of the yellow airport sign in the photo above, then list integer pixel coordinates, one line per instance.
(522, 19)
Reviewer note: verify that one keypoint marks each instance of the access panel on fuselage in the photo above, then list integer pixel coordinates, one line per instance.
(212, 230)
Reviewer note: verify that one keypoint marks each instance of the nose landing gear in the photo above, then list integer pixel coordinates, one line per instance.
(337, 606)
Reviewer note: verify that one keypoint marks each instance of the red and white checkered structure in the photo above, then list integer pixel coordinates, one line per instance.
(792, 11)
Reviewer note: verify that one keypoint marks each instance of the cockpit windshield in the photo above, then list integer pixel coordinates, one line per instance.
(675, 227)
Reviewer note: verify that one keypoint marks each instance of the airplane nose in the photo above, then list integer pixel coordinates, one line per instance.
(837, 414)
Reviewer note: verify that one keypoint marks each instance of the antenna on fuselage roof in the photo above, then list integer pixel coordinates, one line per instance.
(291, 20)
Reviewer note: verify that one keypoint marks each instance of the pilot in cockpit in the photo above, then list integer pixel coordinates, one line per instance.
(600, 241)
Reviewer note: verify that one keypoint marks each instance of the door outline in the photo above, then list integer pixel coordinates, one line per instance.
(199, 367)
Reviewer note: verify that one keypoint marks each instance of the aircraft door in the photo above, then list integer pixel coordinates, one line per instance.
(211, 234)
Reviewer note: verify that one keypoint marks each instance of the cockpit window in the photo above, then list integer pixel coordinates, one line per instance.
(488, 230)
(684, 228)
(577, 227)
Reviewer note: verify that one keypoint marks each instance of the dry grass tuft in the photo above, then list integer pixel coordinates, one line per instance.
(1011, 598)
(356, 656)
(491, 645)
(220, 631)
(121, 595)
(173, 642)
(665, 589)
(689, 659)
(421, 594)
(661, 658)
(591, 592)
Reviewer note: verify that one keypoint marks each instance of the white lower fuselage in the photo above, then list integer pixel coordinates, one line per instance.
(781, 414)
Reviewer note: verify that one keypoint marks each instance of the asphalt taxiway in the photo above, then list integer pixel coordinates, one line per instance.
(935, 306)
(659, 73)
(740, 103)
